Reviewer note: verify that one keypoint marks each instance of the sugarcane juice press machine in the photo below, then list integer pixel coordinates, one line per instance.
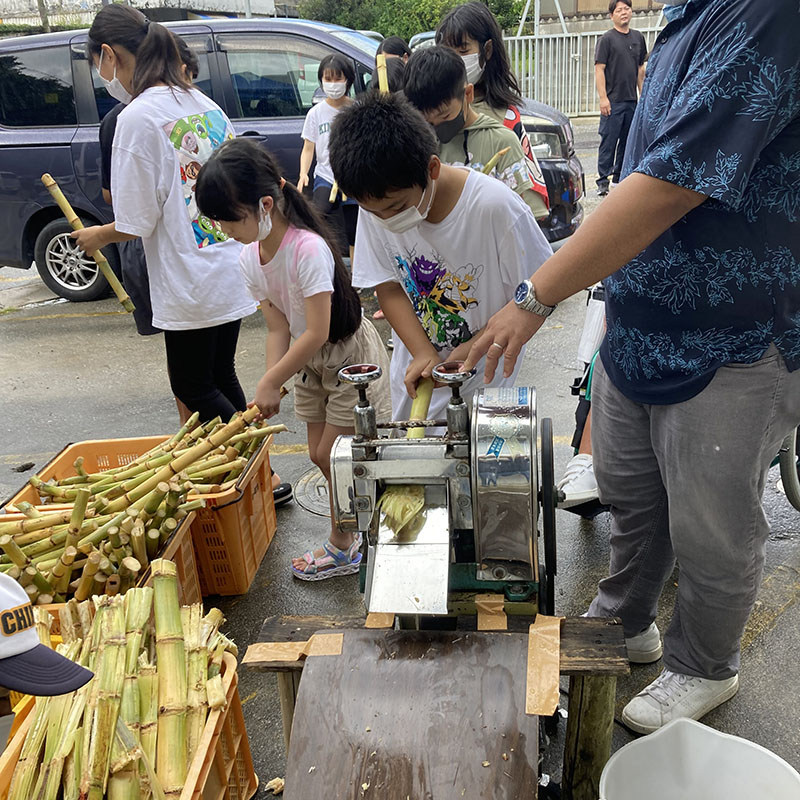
(487, 488)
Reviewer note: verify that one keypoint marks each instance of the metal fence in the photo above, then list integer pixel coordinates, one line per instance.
(558, 68)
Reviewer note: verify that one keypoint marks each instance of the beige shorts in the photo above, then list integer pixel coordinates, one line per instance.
(319, 395)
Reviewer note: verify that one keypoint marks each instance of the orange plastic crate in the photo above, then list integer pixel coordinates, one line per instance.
(231, 534)
(222, 768)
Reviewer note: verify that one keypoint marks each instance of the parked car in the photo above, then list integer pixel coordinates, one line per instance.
(262, 72)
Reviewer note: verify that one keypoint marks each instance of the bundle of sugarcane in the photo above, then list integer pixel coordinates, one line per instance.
(134, 729)
(113, 523)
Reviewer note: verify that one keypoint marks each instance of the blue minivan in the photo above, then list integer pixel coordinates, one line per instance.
(262, 72)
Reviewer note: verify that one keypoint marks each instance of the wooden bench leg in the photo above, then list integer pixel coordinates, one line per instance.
(588, 742)
(288, 684)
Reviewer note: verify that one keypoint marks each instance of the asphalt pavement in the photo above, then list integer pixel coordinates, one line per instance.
(71, 372)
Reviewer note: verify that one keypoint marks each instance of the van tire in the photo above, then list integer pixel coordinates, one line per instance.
(66, 270)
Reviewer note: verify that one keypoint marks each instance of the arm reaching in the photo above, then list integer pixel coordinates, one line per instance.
(603, 244)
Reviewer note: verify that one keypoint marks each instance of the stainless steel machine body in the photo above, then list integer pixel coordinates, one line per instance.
(481, 485)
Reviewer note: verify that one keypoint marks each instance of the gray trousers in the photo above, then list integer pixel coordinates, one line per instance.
(684, 481)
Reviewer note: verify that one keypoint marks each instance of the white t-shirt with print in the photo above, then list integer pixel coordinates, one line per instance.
(162, 139)
(317, 129)
(457, 273)
(302, 267)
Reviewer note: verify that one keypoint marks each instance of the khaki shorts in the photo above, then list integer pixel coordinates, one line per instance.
(319, 395)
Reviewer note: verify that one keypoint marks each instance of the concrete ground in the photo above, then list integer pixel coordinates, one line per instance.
(70, 372)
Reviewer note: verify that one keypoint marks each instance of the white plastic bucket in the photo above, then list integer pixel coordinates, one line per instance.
(686, 760)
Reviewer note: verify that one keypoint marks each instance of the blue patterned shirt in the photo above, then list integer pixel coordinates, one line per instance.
(719, 114)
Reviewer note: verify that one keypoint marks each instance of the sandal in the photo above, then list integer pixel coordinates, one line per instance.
(335, 562)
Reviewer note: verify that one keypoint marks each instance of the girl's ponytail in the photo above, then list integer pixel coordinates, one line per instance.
(231, 185)
(158, 59)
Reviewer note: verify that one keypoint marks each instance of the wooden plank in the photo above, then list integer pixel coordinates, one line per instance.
(589, 646)
(590, 723)
(415, 714)
(593, 646)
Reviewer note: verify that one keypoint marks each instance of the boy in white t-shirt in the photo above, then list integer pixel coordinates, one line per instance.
(445, 246)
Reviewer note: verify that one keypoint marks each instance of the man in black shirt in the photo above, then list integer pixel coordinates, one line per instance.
(618, 75)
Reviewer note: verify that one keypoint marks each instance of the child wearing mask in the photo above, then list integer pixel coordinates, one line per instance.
(473, 32)
(336, 75)
(436, 83)
(312, 313)
(444, 246)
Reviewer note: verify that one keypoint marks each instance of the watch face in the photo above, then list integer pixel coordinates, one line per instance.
(521, 292)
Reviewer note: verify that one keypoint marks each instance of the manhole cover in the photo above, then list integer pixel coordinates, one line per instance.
(311, 492)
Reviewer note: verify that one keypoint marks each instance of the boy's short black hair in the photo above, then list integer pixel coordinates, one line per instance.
(379, 144)
(338, 63)
(612, 6)
(434, 76)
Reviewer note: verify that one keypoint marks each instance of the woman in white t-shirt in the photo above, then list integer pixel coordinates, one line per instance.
(163, 137)
(336, 75)
(313, 314)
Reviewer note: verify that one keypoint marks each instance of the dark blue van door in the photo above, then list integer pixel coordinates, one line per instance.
(270, 84)
(38, 118)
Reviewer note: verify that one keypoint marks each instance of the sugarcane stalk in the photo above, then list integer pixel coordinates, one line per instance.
(129, 570)
(109, 678)
(89, 571)
(45, 599)
(72, 768)
(62, 571)
(13, 551)
(45, 488)
(26, 770)
(171, 760)
(153, 540)
(139, 545)
(148, 709)
(492, 162)
(216, 692)
(30, 511)
(99, 583)
(100, 259)
(180, 463)
(27, 525)
(196, 677)
(185, 428)
(113, 585)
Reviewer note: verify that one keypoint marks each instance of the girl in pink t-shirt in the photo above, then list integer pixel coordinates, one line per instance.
(311, 310)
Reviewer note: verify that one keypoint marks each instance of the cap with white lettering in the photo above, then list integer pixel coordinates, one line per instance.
(26, 665)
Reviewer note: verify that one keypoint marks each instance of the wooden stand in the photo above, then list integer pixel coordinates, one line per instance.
(592, 654)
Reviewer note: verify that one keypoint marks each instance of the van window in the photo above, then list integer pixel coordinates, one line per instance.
(273, 76)
(36, 88)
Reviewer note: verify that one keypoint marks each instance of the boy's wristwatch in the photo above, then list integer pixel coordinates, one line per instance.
(525, 298)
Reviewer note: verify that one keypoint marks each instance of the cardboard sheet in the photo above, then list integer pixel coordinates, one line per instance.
(320, 644)
(378, 620)
(491, 612)
(544, 655)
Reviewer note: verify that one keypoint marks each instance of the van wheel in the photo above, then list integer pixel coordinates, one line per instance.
(66, 269)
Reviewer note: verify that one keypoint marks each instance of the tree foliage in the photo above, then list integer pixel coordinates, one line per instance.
(398, 17)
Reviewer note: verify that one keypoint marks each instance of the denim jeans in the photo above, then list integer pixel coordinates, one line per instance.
(684, 482)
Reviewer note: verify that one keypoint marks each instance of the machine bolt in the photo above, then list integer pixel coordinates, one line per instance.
(462, 469)
(359, 470)
(362, 504)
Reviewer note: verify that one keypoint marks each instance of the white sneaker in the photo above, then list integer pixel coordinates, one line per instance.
(578, 484)
(673, 695)
(645, 647)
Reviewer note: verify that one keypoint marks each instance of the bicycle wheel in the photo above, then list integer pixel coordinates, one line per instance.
(790, 473)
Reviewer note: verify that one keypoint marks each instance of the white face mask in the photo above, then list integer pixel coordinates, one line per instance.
(473, 67)
(410, 217)
(334, 89)
(114, 87)
(264, 222)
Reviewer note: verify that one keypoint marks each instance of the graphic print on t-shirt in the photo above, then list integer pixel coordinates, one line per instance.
(439, 296)
(195, 138)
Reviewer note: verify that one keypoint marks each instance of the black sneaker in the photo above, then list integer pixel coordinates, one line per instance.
(282, 494)
(602, 189)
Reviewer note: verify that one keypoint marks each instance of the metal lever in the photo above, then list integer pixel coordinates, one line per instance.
(360, 376)
(452, 374)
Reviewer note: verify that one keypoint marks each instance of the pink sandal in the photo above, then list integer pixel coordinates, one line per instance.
(335, 562)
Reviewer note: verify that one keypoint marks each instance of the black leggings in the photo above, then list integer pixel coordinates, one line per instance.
(202, 372)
